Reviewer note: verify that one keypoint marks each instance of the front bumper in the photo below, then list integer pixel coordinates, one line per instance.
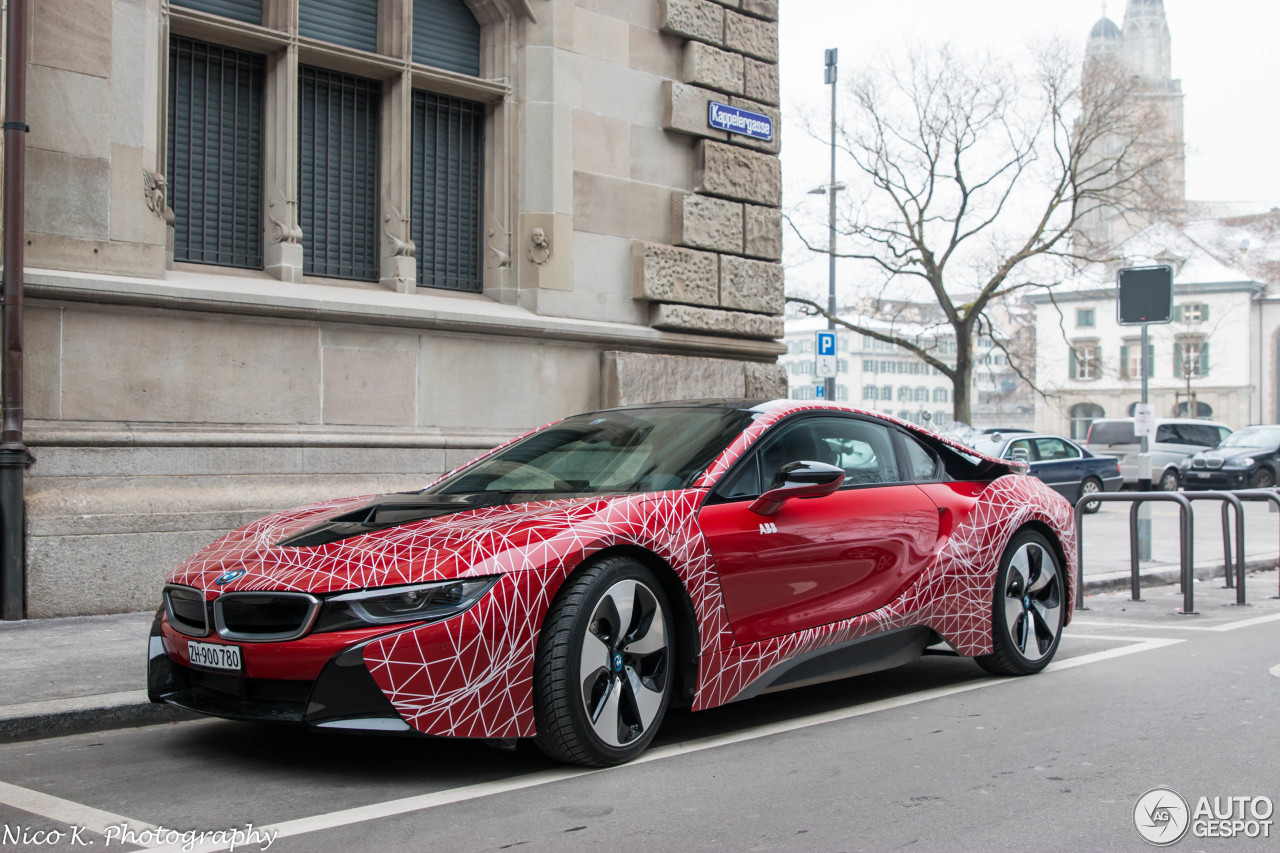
(1221, 478)
(340, 693)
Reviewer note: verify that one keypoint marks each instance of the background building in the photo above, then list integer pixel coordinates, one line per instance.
(279, 250)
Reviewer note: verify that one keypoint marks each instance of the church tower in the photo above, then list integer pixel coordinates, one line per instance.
(1143, 47)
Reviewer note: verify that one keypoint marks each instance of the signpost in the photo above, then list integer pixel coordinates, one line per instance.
(826, 366)
(1144, 295)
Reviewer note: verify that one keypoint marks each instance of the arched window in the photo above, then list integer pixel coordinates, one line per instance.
(1203, 410)
(1083, 414)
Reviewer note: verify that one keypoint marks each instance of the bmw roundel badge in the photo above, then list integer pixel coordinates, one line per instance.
(228, 577)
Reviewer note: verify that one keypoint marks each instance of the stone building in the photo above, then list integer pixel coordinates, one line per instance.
(281, 250)
(1142, 47)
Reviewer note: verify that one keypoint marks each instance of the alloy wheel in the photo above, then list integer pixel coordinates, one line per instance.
(624, 665)
(1032, 601)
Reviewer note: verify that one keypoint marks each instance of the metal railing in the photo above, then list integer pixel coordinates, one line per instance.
(1261, 495)
(1186, 542)
(1186, 538)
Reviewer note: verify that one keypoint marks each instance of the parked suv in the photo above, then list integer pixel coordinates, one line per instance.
(1250, 457)
(1175, 440)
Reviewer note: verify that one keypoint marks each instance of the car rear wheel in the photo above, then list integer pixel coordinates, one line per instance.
(1169, 481)
(1263, 479)
(603, 671)
(1091, 486)
(1028, 607)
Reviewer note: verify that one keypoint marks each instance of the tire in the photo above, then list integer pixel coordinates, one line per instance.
(1169, 481)
(1263, 478)
(1028, 607)
(601, 688)
(1091, 486)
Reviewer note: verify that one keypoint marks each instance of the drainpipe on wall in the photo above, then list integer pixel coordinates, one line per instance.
(14, 456)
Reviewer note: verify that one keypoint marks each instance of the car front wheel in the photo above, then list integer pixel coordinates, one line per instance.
(1169, 481)
(1262, 479)
(1028, 607)
(603, 671)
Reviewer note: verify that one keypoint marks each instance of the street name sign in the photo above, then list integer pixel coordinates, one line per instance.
(740, 121)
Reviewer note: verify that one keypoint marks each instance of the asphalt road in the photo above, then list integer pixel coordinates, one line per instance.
(932, 756)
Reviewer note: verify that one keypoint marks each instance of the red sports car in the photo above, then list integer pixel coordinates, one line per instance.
(572, 584)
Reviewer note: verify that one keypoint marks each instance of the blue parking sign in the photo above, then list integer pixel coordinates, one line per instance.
(826, 343)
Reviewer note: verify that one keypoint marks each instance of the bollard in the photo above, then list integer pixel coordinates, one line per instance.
(1186, 542)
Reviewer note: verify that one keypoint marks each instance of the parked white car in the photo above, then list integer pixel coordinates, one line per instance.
(1175, 440)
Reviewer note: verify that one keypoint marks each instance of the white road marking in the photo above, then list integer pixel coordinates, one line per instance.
(65, 811)
(95, 820)
(1174, 626)
(391, 808)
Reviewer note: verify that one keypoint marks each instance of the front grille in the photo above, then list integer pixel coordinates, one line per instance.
(1213, 462)
(187, 610)
(264, 616)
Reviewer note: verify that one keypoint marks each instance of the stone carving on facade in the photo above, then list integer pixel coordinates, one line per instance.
(154, 188)
(282, 213)
(395, 232)
(539, 247)
(502, 256)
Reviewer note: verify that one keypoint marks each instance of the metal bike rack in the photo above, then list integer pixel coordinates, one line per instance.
(1186, 542)
(1260, 495)
(1229, 499)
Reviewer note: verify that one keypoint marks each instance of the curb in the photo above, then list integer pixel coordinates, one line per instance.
(36, 720)
(1168, 574)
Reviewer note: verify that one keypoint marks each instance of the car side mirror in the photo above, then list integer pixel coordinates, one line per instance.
(798, 480)
(1020, 454)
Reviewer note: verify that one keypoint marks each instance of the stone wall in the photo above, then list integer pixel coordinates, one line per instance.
(721, 273)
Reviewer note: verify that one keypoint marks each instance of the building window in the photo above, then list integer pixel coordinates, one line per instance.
(1082, 415)
(1131, 360)
(941, 395)
(870, 392)
(351, 23)
(248, 11)
(1194, 312)
(842, 393)
(1084, 318)
(1190, 359)
(1086, 361)
(214, 158)
(886, 392)
(448, 150)
(338, 174)
(446, 35)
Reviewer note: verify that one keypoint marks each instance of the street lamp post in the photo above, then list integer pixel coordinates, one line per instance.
(830, 78)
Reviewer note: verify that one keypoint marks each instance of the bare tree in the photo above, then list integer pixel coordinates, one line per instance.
(970, 180)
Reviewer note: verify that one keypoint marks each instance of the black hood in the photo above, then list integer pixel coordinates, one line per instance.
(408, 507)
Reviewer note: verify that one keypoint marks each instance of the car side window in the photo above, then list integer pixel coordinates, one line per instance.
(1202, 435)
(863, 449)
(1022, 444)
(1169, 433)
(1223, 432)
(1050, 449)
(921, 464)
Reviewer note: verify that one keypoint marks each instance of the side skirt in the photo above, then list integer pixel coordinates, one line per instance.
(855, 657)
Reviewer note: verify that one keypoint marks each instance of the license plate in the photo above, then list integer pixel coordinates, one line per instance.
(1202, 475)
(214, 656)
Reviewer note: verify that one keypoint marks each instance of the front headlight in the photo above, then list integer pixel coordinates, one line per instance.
(1240, 462)
(424, 602)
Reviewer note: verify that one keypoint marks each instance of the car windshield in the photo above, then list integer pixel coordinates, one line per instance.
(636, 450)
(1266, 436)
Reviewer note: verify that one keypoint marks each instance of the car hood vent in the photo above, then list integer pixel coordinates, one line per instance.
(407, 508)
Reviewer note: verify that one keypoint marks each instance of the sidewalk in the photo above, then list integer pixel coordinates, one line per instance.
(85, 673)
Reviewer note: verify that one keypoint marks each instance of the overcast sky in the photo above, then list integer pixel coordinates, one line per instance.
(1224, 52)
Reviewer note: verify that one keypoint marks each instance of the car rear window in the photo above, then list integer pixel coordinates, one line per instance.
(1111, 432)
